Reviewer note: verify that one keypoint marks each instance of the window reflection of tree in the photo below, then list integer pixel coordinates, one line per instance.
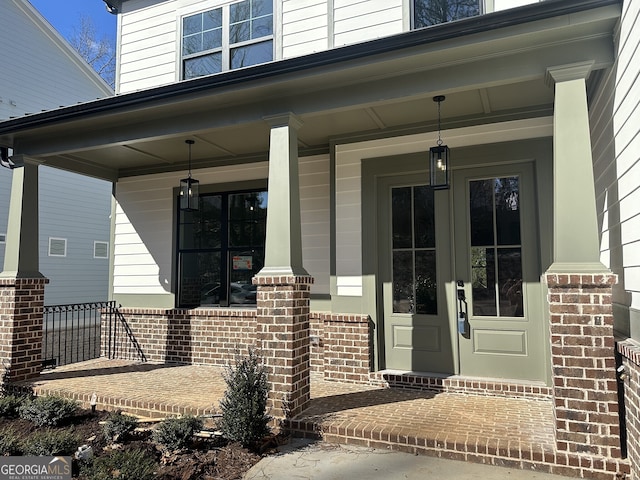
(433, 12)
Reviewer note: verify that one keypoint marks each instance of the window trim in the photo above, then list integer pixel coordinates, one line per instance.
(227, 46)
(3, 238)
(64, 240)
(95, 243)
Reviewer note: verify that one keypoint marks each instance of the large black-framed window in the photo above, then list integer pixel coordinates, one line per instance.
(434, 12)
(221, 248)
(231, 36)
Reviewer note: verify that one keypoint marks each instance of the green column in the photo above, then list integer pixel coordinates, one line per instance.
(283, 249)
(21, 257)
(576, 240)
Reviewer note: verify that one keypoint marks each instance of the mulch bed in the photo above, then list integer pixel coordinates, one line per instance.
(207, 459)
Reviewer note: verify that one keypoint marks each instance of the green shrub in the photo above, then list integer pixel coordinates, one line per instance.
(10, 404)
(119, 425)
(51, 442)
(176, 433)
(121, 464)
(244, 405)
(9, 442)
(47, 411)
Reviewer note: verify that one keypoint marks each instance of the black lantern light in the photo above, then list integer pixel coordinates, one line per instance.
(189, 198)
(439, 157)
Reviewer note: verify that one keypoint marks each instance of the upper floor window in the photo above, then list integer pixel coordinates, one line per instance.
(433, 12)
(228, 37)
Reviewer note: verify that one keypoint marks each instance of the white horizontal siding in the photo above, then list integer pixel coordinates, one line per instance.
(148, 44)
(348, 217)
(361, 20)
(305, 27)
(615, 123)
(315, 217)
(505, 4)
(626, 123)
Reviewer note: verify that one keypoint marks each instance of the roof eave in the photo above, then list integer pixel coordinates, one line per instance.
(438, 33)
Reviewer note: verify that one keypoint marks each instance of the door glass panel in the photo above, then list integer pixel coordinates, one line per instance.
(481, 209)
(483, 281)
(426, 282)
(496, 251)
(510, 282)
(507, 211)
(403, 298)
(401, 217)
(425, 218)
(414, 254)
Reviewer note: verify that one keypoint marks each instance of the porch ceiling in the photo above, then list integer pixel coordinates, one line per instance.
(488, 76)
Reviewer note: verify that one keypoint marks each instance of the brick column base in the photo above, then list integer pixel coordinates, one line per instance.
(283, 340)
(21, 316)
(583, 363)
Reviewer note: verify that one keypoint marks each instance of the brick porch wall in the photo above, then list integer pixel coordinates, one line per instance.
(583, 363)
(213, 336)
(630, 351)
(21, 316)
(190, 336)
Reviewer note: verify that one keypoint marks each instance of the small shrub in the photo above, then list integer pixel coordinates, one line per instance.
(10, 404)
(176, 433)
(9, 442)
(4, 380)
(119, 425)
(244, 405)
(51, 442)
(121, 464)
(47, 411)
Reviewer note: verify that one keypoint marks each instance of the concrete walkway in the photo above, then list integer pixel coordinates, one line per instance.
(307, 460)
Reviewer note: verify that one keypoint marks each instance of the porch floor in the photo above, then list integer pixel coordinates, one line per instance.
(517, 433)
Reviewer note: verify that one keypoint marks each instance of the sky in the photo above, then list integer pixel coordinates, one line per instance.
(64, 15)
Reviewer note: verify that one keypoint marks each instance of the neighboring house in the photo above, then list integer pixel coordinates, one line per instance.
(313, 123)
(41, 71)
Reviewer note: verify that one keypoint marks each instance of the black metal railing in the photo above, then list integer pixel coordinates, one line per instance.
(72, 333)
(121, 343)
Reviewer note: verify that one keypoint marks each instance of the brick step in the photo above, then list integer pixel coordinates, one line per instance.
(138, 407)
(540, 457)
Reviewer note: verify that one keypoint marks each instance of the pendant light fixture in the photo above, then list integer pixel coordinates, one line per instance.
(189, 195)
(439, 157)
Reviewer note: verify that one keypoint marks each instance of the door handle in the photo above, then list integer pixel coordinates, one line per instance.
(463, 323)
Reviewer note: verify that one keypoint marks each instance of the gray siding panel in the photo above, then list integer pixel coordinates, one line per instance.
(78, 209)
